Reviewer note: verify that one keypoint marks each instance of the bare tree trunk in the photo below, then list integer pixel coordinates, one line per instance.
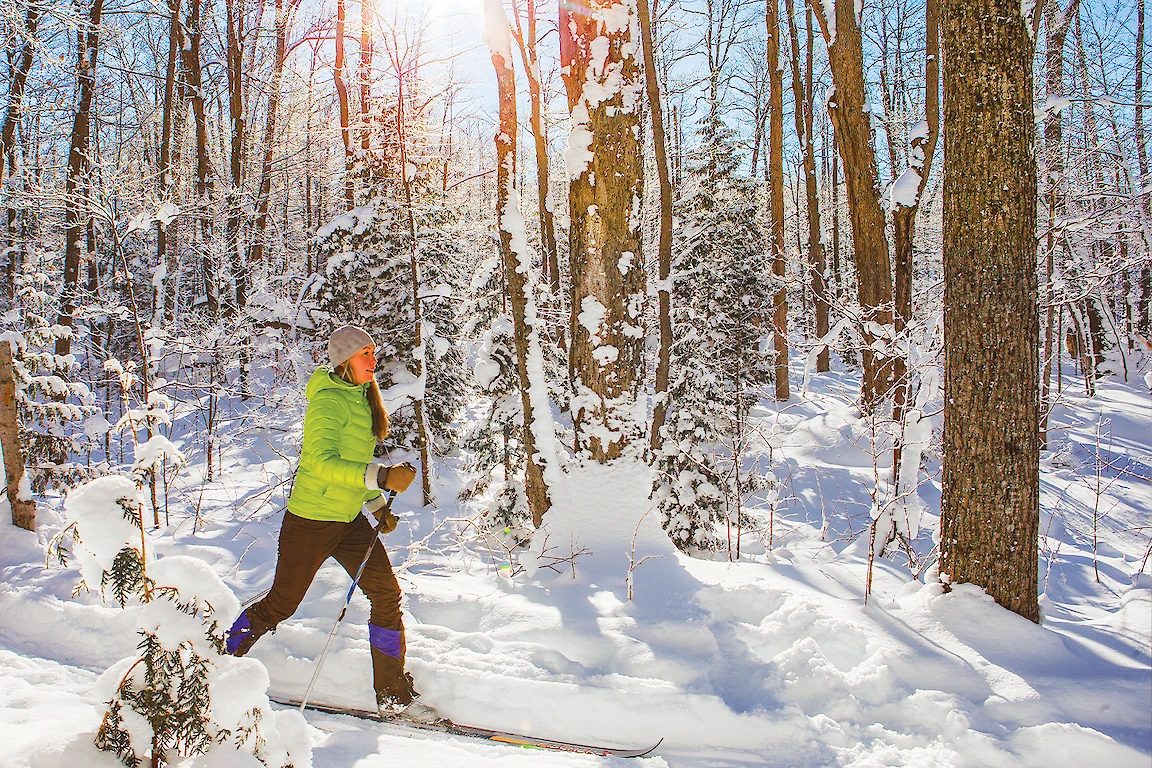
(776, 164)
(235, 55)
(16, 84)
(167, 184)
(365, 76)
(1056, 24)
(76, 212)
(345, 108)
(517, 264)
(607, 264)
(852, 121)
(1144, 302)
(663, 287)
(990, 505)
(23, 510)
(404, 71)
(283, 25)
(190, 52)
(526, 41)
(905, 210)
(803, 117)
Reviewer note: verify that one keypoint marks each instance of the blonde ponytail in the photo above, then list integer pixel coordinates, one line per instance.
(380, 421)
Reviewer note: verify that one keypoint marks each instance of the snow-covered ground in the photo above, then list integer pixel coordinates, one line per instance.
(772, 660)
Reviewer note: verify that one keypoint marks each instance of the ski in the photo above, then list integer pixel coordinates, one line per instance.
(449, 728)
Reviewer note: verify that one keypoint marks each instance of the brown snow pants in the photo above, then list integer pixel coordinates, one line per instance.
(304, 546)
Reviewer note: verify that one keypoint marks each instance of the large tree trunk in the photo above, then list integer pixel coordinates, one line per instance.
(852, 121)
(23, 509)
(607, 264)
(776, 165)
(663, 287)
(1056, 24)
(803, 114)
(990, 507)
(76, 211)
(526, 41)
(518, 267)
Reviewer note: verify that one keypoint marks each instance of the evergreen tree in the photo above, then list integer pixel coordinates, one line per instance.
(721, 304)
(494, 470)
(58, 413)
(368, 282)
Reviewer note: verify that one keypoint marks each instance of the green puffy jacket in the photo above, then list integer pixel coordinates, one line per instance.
(338, 446)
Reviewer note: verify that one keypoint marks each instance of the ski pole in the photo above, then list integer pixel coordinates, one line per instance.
(383, 517)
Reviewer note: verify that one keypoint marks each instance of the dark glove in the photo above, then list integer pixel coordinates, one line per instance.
(390, 522)
(396, 477)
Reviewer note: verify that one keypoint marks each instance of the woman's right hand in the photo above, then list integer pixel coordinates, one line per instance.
(396, 477)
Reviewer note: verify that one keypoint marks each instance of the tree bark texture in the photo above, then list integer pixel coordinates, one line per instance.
(513, 251)
(776, 165)
(76, 211)
(990, 507)
(23, 510)
(663, 287)
(852, 122)
(598, 54)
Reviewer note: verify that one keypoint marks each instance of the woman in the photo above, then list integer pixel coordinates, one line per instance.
(337, 475)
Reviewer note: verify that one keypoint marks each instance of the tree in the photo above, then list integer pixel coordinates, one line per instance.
(803, 112)
(906, 194)
(23, 508)
(722, 306)
(536, 417)
(664, 287)
(990, 506)
(1056, 25)
(526, 39)
(852, 119)
(598, 54)
(17, 83)
(776, 166)
(76, 208)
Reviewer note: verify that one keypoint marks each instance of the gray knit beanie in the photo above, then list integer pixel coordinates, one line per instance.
(345, 342)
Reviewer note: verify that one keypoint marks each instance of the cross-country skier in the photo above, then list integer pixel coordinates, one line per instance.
(337, 476)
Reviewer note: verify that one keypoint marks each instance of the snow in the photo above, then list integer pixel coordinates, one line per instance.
(96, 510)
(772, 660)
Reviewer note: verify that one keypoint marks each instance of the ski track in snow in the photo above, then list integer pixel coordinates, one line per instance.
(771, 661)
